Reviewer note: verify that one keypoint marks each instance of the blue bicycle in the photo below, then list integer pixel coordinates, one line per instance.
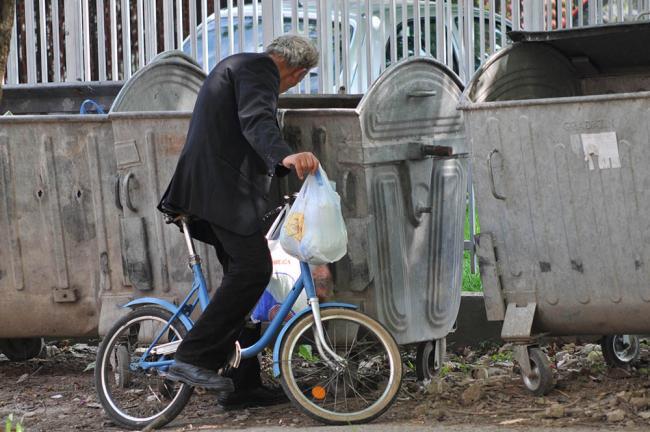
(335, 363)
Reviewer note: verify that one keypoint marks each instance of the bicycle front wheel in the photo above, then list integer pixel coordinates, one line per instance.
(131, 395)
(357, 389)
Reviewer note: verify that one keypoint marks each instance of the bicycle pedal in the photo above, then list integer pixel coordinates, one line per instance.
(167, 348)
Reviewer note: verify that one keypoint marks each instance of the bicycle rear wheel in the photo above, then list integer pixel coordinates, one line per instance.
(132, 396)
(357, 390)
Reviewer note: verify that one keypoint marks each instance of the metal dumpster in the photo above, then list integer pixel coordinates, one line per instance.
(149, 120)
(558, 127)
(56, 217)
(404, 210)
(72, 237)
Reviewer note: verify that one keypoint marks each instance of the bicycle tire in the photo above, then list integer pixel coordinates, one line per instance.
(105, 371)
(380, 355)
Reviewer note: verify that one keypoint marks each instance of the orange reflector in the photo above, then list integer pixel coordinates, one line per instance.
(318, 392)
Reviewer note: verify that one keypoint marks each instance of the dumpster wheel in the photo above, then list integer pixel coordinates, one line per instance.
(425, 360)
(620, 350)
(541, 380)
(21, 349)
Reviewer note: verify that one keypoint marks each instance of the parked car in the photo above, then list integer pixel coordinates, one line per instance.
(249, 40)
(358, 22)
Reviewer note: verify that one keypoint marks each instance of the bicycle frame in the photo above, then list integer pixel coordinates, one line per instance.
(199, 295)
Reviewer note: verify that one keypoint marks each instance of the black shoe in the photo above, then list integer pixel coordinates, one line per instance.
(199, 377)
(257, 397)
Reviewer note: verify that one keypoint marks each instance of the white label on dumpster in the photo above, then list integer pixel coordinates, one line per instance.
(602, 147)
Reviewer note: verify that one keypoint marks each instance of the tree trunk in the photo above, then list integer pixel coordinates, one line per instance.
(7, 8)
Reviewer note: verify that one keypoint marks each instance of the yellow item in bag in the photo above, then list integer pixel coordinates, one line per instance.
(294, 225)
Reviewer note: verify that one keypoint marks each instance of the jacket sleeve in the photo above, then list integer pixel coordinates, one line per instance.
(256, 86)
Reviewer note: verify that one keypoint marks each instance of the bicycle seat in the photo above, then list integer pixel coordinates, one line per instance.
(287, 199)
(175, 219)
(174, 215)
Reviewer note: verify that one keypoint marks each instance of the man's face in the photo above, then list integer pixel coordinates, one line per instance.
(292, 78)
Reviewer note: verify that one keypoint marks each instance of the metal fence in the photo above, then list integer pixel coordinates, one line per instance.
(100, 40)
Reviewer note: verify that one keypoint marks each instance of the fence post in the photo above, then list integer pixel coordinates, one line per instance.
(534, 15)
(30, 36)
(73, 40)
(271, 20)
(150, 31)
(12, 60)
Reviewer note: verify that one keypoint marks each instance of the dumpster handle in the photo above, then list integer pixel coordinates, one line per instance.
(118, 201)
(127, 195)
(492, 187)
(421, 93)
(436, 150)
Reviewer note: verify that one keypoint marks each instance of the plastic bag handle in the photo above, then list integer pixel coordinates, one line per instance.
(322, 179)
(319, 175)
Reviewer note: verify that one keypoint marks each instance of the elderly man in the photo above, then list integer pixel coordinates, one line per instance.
(233, 148)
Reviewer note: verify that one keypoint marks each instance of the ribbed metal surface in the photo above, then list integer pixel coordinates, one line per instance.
(55, 253)
(404, 212)
(565, 194)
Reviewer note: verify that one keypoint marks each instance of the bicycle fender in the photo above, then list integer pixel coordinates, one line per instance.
(296, 317)
(163, 304)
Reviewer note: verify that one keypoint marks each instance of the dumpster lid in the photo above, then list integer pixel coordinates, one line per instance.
(596, 50)
(177, 54)
(413, 99)
(171, 83)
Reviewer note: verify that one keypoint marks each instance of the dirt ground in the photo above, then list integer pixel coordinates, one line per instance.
(477, 387)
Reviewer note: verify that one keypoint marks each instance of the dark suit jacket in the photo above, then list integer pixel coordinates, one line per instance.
(233, 147)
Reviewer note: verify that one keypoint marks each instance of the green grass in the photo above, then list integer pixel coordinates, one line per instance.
(9, 423)
(471, 282)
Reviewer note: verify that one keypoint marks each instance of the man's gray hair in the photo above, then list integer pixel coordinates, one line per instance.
(297, 51)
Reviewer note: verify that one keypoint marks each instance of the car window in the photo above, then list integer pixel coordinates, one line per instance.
(225, 41)
(410, 40)
(498, 39)
(313, 35)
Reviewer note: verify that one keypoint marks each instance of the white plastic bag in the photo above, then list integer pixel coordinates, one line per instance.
(286, 271)
(314, 230)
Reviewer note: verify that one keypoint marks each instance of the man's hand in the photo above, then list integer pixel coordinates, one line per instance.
(304, 163)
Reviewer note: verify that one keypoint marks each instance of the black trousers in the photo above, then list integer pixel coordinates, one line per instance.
(247, 268)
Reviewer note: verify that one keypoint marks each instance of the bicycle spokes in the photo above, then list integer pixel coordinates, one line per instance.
(130, 372)
(353, 383)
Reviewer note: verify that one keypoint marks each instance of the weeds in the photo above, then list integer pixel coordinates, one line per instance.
(445, 370)
(502, 357)
(410, 365)
(305, 352)
(464, 368)
(9, 424)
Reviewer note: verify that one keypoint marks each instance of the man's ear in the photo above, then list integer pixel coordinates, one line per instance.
(300, 73)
